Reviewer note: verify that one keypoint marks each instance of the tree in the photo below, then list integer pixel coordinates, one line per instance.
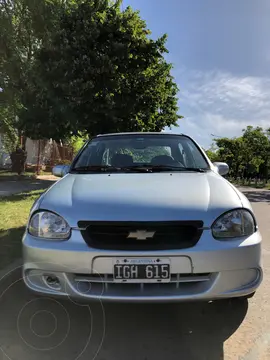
(257, 148)
(231, 152)
(8, 131)
(248, 155)
(212, 153)
(26, 25)
(76, 142)
(100, 73)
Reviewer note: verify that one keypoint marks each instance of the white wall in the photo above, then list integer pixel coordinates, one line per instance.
(31, 148)
(4, 158)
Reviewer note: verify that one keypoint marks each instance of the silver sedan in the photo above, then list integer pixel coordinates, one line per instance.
(142, 217)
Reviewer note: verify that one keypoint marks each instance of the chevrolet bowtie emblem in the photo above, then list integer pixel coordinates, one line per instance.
(141, 234)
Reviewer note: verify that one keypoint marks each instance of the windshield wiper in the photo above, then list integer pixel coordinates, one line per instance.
(108, 168)
(134, 168)
(99, 168)
(194, 169)
(156, 168)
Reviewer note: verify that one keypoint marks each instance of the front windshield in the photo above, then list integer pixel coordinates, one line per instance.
(134, 151)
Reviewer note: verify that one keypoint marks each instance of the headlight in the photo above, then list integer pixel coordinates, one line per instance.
(233, 224)
(48, 225)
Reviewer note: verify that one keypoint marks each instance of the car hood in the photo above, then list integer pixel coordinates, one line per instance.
(141, 197)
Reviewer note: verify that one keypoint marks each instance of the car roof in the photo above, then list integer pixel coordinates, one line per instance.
(140, 133)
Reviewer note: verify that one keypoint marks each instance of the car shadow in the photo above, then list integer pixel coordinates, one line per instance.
(194, 331)
(258, 196)
(10, 245)
(188, 331)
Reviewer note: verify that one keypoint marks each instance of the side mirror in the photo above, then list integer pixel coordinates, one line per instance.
(222, 168)
(60, 170)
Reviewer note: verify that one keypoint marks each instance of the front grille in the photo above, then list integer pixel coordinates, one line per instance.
(167, 235)
(180, 284)
(175, 278)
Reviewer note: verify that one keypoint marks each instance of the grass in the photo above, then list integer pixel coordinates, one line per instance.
(14, 212)
(255, 186)
(9, 176)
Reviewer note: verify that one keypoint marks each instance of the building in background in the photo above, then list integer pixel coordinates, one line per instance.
(41, 153)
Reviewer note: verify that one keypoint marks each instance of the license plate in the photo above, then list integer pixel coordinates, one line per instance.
(141, 270)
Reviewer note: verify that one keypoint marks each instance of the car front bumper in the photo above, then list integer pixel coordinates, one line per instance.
(208, 271)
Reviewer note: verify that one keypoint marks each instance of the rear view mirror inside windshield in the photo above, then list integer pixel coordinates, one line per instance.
(138, 143)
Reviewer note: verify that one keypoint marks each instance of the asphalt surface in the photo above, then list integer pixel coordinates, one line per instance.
(39, 328)
(8, 187)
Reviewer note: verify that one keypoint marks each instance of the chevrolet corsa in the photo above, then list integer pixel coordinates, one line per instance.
(142, 217)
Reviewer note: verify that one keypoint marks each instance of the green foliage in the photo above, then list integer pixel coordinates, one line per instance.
(9, 134)
(145, 155)
(247, 155)
(100, 73)
(26, 25)
(77, 142)
(212, 153)
(231, 151)
(257, 147)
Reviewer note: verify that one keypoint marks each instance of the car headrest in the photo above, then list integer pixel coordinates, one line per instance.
(122, 160)
(163, 160)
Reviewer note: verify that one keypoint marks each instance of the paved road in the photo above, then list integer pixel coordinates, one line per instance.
(32, 328)
(8, 188)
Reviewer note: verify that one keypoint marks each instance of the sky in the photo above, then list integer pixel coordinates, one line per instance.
(221, 56)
